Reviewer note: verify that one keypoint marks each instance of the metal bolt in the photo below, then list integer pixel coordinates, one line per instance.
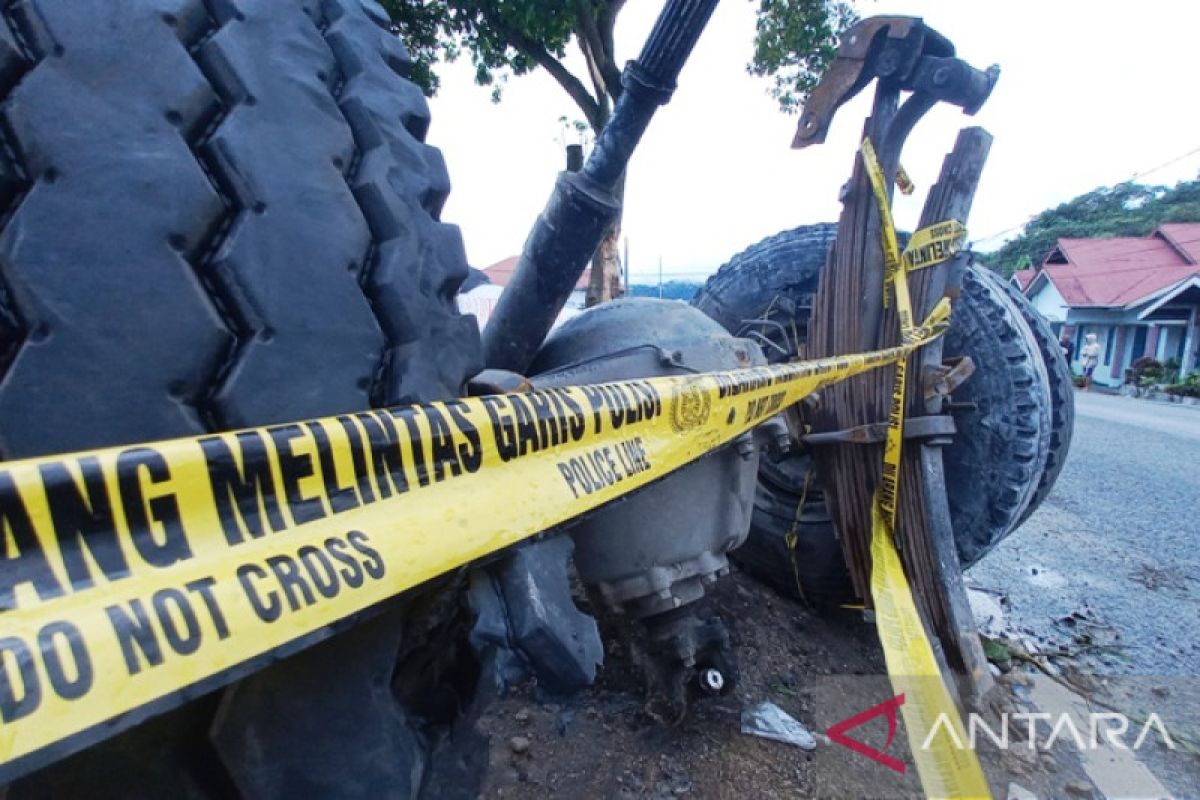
(711, 680)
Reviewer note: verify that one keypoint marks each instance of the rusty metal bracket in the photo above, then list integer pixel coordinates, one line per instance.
(905, 54)
(928, 427)
(942, 381)
(874, 47)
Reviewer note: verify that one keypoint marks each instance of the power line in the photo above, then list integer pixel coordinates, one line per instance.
(1134, 177)
(1165, 164)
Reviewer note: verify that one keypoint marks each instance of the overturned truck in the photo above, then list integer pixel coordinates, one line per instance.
(222, 216)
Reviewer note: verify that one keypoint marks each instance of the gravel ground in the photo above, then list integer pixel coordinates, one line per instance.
(1117, 542)
(1104, 579)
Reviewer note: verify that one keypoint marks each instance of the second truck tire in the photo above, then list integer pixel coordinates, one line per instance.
(1007, 427)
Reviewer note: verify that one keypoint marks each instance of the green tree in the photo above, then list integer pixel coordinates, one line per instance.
(1125, 209)
(794, 42)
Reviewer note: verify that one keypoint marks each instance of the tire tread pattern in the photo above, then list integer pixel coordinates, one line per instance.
(1013, 430)
(269, 249)
(1062, 391)
(114, 309)
(786, 265)
(217, 213)
(993, 468)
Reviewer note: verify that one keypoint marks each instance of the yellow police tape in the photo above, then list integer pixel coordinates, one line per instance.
(934, 244)
(945, 769)
(133, 578)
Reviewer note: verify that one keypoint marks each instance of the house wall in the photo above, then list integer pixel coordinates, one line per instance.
(1180, 337)
(481, 301)
(1170, 343)
(1163, 341)
(1049, 303)
(1116, 347)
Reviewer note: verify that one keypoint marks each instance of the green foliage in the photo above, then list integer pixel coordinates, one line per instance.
(796, 40)
(1188, 387)
(1146, 371)
(1126, 209)
(1172, 367)
(492, 33)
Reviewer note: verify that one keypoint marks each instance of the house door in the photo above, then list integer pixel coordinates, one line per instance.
(1139, 343)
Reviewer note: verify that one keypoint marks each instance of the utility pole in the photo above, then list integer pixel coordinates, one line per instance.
(660, 277)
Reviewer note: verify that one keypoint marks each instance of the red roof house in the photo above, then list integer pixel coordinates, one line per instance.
(1140, 295)
(480, 301)
(502, 271)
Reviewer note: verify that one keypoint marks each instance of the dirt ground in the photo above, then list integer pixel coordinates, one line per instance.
(820, 668)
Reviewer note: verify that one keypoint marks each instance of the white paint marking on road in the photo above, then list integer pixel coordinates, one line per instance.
(1115, 771)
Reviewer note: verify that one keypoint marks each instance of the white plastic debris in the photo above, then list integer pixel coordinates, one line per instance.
(771, 722)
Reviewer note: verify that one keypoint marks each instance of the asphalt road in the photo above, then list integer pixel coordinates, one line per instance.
(1118, 540)
(1103, 583)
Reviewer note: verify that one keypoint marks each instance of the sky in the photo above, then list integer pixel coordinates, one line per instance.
(1090, 94)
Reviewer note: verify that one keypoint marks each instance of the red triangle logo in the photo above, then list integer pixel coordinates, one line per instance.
(888, 708)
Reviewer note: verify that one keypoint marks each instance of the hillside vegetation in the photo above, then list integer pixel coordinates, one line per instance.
(1126, 209)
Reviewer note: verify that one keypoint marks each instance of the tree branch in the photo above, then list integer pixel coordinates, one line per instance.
(572, 85)
(606, 23)
(589, 44)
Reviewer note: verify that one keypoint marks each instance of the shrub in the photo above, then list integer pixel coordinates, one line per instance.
(1171, 371)
(1146, 371)
(1188, 387)
(1183, 389)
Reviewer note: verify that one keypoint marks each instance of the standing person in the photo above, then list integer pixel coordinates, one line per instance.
(1089, 358)
(1068, 347)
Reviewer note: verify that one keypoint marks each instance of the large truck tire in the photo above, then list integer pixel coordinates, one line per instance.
(765, 293)
(993, 467)
(997, 458)
(1062, 390)
(218, 214)
(795, 548)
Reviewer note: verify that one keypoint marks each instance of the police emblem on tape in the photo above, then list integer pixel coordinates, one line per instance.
(691, 406)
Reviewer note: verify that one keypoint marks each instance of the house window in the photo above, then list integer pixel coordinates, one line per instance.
(1109, 339)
